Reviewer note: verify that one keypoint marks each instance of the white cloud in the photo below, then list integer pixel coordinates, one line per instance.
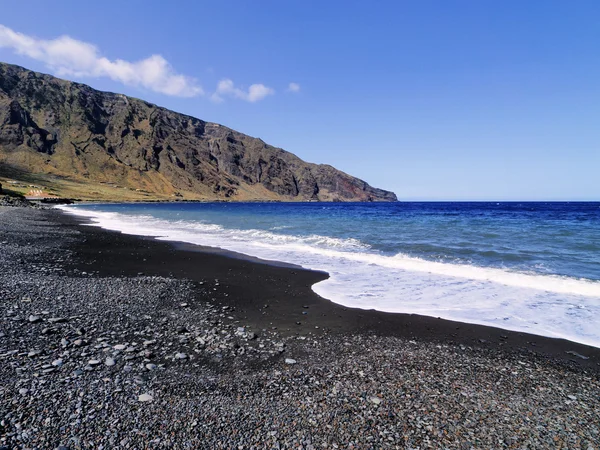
(68, 56)
(293, 87)
(226, 88)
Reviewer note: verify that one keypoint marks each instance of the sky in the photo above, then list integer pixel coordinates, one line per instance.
(434, 100)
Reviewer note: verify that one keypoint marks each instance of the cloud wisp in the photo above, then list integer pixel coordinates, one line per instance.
(67, 56)
(226, 88)
(293, 87)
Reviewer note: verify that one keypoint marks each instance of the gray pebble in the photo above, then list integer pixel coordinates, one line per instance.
(109, 362)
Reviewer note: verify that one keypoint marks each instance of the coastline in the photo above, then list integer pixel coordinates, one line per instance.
(286, 289)
(124, 341)
(535, 291)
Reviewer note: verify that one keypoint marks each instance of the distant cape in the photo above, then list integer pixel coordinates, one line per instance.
(80, 142)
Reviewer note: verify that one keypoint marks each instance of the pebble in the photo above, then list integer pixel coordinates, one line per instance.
(58, 320)
(34, 319)
(94, 362)
(145, 398)
(180, 356)
(375, 400)
(578, 355)
(350, 391)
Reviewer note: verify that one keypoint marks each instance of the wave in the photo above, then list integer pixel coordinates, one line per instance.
(331, 247)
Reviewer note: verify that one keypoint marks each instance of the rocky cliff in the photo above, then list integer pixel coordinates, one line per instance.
(72, 133)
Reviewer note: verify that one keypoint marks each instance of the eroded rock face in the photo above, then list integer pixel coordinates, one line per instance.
(49, 125)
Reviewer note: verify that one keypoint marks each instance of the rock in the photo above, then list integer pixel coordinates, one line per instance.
(57, 362)
(578, 355)
(180, 356)
(119, 347)
(151, 366)
(375, 400)
(94, 362)
(34, 353)
(145, 398)
(58, 320)
(109, 362)
(23, 391)
(290, 361)
(34, 319)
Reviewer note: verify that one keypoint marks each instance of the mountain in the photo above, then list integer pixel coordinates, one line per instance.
(71, 140)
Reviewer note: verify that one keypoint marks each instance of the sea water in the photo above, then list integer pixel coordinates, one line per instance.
(532, 267)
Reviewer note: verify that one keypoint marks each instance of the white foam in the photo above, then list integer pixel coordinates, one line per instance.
(541, 304)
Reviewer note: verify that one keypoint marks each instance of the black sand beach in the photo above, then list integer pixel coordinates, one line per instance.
(116, 341)
(268, 296)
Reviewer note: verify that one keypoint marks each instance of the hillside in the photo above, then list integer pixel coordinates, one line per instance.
(70, 140)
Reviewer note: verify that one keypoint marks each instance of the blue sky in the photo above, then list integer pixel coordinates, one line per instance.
(435, 100)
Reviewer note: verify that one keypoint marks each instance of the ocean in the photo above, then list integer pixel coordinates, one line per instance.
(532, 267)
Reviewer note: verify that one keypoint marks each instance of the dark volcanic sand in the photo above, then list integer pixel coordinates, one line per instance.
(267, 296)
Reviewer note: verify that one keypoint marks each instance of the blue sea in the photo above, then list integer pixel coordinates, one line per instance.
(532, 267)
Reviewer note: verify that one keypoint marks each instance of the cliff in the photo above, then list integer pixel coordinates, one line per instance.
(70, 138)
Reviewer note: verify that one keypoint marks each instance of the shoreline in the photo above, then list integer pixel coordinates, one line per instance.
(117, 341)
(522, 301)
(328, 316)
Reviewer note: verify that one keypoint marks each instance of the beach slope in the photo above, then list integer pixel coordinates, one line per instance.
(114, 340)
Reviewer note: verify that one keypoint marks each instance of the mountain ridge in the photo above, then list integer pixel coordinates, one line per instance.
(67, 132)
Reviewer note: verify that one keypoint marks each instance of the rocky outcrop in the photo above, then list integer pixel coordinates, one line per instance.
(49, 125)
